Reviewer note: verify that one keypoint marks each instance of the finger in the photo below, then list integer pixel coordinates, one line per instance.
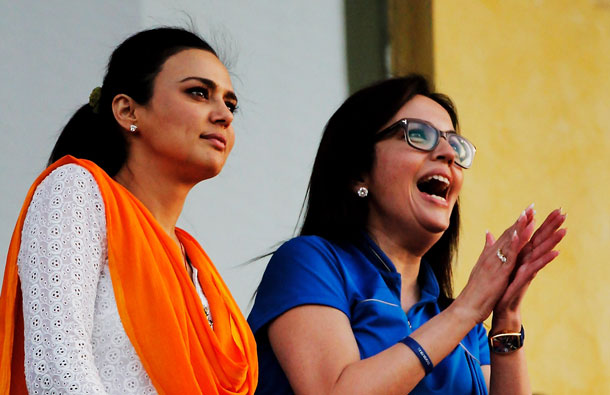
(525, 233)
(489, 242)
(525, 252)
(550, 225)
(546, 231)
(520, 224)
(552, 222)
(519, 233)
(524, 229)
(530, 270)
(530, 212)
(525, 275)
(489, 239)
(544, 260)
(546, 245)
(510, 251)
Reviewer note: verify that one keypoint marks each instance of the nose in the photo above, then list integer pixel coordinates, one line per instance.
(220, 114)
(444, 151)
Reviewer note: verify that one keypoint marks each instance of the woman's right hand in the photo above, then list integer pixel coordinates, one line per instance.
(534, 256)
(491, 274)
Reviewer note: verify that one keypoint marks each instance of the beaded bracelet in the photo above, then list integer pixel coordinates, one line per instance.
(419, 352)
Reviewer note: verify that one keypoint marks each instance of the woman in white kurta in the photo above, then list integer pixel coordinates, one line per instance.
(115, 298)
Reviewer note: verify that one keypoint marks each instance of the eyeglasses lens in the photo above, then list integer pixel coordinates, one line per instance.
(425, 137)
(463, 149)
(422, 136)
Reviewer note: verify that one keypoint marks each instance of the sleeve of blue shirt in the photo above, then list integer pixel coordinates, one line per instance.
(484, 357)
(304, 270)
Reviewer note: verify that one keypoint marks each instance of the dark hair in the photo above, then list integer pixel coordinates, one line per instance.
(346, 152)
(94, 134)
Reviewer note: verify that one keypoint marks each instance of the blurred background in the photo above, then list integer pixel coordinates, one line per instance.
(531, 80)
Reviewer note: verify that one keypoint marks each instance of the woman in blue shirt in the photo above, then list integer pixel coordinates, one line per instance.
(361, 301)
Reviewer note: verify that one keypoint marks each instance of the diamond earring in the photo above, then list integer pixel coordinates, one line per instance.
(362, 192)
(133, 128)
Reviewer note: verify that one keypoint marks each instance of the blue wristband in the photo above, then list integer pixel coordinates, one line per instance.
(419, 352)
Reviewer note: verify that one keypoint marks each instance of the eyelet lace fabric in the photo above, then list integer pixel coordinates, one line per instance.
(74, 340)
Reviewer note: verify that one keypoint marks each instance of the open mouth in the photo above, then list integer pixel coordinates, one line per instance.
(436, 186)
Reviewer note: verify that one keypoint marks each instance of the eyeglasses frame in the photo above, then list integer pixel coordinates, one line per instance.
(403, 124)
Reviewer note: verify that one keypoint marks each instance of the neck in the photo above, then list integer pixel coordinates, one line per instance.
(162, 195)
(406, 255)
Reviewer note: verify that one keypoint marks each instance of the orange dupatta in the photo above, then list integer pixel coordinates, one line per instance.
(157, 302)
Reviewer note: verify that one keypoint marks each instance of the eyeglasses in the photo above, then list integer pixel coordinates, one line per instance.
(425, 137)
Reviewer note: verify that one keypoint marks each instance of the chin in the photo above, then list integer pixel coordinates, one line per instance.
(437, 230)
(197, 172)
(436, 225)
(212, 166)
(207, 173)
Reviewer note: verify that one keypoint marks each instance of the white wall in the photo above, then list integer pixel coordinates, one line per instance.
(288, 67)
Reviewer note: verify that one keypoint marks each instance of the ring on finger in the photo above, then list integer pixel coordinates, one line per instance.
(501, 256)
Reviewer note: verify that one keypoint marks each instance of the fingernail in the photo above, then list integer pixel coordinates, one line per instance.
(522, 214)
(514, 233)
(530, 206)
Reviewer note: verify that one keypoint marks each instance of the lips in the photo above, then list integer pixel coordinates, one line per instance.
(435, 185)
(217, 139)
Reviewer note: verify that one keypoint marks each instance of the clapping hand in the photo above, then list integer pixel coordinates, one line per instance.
(506, 267)
(535, 255)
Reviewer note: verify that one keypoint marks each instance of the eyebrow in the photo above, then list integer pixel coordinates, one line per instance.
(212, 85)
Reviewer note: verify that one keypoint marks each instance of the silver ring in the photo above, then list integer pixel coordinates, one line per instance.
(501, 256)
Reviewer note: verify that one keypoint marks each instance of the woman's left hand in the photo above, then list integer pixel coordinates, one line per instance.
(534, 256)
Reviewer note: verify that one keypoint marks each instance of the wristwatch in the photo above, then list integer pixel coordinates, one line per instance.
(505, 343)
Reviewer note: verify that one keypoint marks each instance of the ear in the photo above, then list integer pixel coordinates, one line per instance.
(124, 110)
(362, 181)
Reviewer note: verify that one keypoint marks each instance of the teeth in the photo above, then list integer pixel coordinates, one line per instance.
(439, 178)
(442, 199)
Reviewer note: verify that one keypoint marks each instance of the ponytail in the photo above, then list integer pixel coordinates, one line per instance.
(87, 135)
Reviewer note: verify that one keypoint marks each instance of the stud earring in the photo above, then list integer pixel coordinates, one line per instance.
(362, 192)
(133, 128)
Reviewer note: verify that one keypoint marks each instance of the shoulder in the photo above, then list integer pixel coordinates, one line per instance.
(68, 184)
(71, 175)
(305, 246)
(311, 254)
(65, 217)
(304, 270)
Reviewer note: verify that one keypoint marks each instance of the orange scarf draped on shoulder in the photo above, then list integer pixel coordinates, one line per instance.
(157, 302)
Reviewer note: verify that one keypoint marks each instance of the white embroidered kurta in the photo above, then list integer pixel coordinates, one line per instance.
(74, 339)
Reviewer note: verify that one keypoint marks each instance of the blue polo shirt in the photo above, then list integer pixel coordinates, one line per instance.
(362, 282)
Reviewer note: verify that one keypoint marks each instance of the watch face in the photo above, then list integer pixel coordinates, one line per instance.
(505, 343)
